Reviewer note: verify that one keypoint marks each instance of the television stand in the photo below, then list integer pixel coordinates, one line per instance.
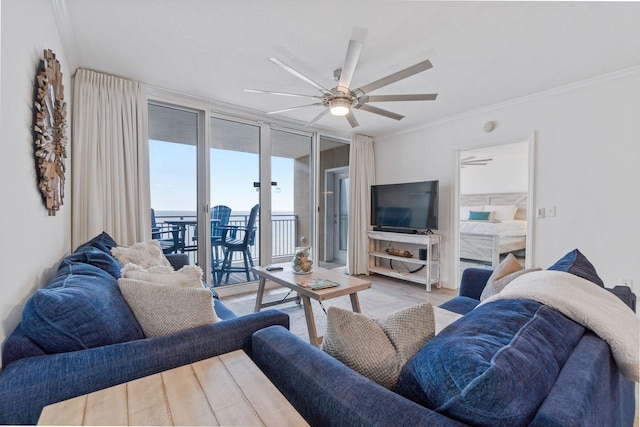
(380, 262)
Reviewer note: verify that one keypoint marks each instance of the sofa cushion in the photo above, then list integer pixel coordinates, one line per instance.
(145, 254)
(102, 241)
(163, 309)
(96, 257)
(378, 348)
(84, 310)
(576, 263)
(494, 366)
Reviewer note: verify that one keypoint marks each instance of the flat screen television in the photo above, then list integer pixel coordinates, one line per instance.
(407, 207)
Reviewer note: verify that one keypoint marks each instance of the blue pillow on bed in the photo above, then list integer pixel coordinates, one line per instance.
(479, 216)
(577, 264)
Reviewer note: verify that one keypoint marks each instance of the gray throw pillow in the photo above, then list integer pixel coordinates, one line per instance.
(378, 349)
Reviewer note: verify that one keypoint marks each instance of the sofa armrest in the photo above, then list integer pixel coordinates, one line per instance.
(328, 393)
(473, 282)
(28, 385)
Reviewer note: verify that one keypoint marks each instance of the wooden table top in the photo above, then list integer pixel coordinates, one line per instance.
(225, 390)
(286, 277)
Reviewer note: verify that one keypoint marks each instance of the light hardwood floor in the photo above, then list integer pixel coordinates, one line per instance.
(387, 295)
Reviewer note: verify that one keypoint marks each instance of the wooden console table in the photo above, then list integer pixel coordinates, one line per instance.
(225, 390)
(430, 274)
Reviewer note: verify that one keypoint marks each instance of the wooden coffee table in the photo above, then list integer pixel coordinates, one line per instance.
(225, 390)
(349, 285)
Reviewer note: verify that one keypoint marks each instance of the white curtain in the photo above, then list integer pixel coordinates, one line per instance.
(361, 177)
(109, 159)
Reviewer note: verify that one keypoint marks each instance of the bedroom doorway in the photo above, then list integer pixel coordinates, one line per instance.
(493, 204)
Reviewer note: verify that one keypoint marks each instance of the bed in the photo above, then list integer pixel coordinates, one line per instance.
(484, 240)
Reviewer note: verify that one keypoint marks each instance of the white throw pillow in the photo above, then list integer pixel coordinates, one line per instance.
(189, 275)
(378, 349)
(503, 212)
(163, 309)
(145, 254)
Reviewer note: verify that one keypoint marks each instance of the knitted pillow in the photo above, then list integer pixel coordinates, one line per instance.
(189, 275)
(163, 309)
(145, 254)
(378, 349)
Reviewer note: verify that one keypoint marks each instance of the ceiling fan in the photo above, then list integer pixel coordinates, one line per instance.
(473, 161)
(341, 100)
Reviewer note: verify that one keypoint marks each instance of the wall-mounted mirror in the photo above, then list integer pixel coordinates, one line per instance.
(493, 204)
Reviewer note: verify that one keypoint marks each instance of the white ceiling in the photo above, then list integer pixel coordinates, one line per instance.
(483, 53)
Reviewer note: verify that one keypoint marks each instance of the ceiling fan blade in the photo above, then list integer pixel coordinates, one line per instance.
(415, 97)
(318, 117)
(352, 119)
(402, 74)
(467, 158)
(349, 65)
(294, 108)
(299, 75)
(269, 92)
(380, 111)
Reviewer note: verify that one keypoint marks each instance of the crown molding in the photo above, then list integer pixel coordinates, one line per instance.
(524, 99)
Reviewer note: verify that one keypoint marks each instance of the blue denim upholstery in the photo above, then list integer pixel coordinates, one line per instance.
(472, 283)
(328, 393)
(80, 307)
(494, 366)
(85, 310)
(576, 263)
(587, 389)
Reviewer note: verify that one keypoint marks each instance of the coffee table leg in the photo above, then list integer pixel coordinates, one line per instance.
(355, 302)
(260, 294)
(311, 322)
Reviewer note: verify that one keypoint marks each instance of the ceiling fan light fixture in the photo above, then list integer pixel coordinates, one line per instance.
(340, 106)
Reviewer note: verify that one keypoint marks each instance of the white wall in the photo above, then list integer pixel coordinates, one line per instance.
(587, 154)
(506, 172)
(33, 243)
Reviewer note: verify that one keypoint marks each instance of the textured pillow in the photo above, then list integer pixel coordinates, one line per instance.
(479, 216)
(494, 366)
(378, 349)
(577, 264)
(508, 265)
(189, 275)
(145, 254)
(81, 311)
(503, 213)
(164, 309)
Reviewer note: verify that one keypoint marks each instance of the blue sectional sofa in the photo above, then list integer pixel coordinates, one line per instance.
(94, 341)
(505, 363)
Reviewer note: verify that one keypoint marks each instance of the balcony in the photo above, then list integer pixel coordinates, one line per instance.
(283, 228)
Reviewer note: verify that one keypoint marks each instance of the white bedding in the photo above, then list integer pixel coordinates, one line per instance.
(503, 229)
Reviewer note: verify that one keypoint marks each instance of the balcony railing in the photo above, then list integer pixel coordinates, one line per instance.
(283, 232)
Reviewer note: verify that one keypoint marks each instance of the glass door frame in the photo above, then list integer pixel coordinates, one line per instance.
(207, 109)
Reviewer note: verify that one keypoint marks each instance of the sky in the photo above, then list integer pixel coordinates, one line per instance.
(173, 175)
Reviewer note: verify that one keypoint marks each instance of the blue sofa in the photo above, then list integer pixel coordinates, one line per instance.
(506, 363)
(93, 341)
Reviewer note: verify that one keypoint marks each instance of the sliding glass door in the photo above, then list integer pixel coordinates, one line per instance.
(217, 178)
